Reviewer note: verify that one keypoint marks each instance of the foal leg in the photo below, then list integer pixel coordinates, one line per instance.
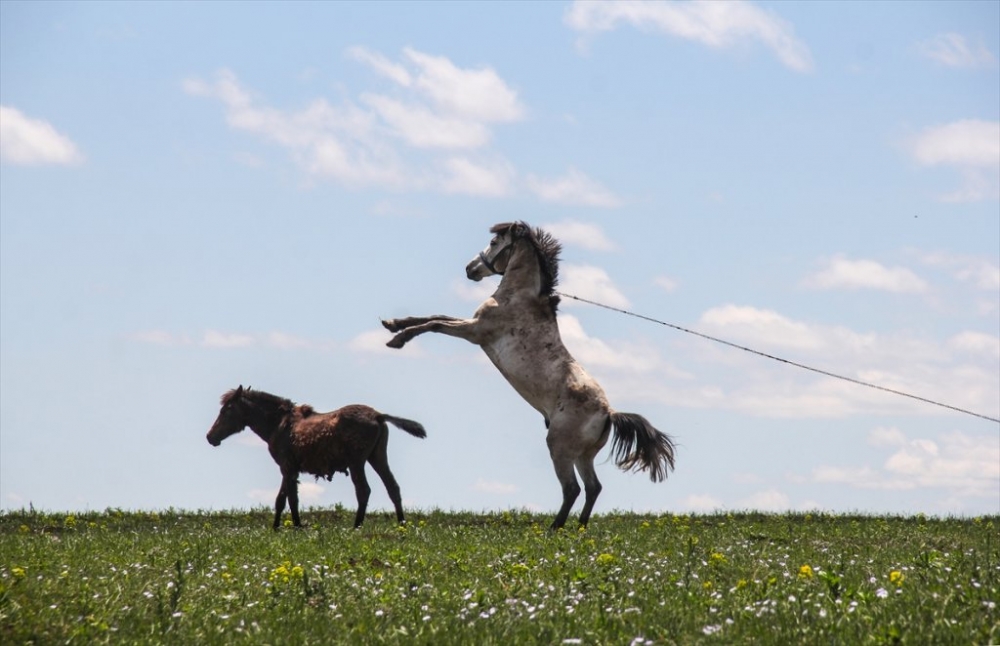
(379, 460)
(279, 504)
(291, 487)
(361, 490)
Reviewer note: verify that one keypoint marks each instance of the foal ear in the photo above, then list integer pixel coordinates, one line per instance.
(239, 391)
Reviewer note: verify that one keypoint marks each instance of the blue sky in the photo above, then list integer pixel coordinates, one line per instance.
(198, 196)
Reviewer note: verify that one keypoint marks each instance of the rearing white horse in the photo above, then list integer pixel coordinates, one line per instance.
(516, 328)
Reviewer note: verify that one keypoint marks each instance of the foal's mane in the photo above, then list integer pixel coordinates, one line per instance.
(259, 399)
(546, 247)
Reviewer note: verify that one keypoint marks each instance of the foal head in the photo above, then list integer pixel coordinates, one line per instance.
(236, 414)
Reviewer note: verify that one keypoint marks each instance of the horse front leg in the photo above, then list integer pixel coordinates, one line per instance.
(361, 490)
(395, 325)
(291, 489)
(469, 329)
(279, 504)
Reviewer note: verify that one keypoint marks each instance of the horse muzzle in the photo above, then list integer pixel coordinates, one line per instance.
(475, 270)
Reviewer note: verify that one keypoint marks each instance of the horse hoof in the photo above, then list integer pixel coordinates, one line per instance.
(390, 325)
(396, 342)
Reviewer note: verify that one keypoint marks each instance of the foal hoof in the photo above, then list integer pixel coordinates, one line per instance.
(396, 342)
(390, 325)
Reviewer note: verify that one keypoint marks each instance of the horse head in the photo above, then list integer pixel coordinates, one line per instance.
(493, 260)
(232, 418)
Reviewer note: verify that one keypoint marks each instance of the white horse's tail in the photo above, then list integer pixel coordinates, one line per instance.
(638, 446)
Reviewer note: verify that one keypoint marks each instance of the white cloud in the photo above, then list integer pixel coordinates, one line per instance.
(489, 486)
(593, 283)
(960, 464)
(33, 142)
(760, 326)
(593, 353)
(337, 142)
(285, 341)
(701, 503)
(473, 93)
(581, 234)
(715, 24)
(665, 283)
(941, 370)
(970, 145)
(216, 339)
(385, 141)
(422, 128)
(980, 343)
(842, 273)
(573, 188)
(382, 65)
(768, 500)
(310, 493)
(981, 272)
(464, 176)
(883, 436)
(969, 142)
(952, 50)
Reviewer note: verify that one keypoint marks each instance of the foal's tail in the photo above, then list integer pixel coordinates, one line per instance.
(415, 429)
(654, 450)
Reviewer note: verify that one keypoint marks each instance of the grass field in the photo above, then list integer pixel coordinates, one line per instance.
(503, 578)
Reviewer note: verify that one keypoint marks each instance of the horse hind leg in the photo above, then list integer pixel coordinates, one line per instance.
(379, 459)
(570, 487)
(591, 486)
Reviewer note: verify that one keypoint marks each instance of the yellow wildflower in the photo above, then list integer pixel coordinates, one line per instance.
(805, 572)
(896, 577)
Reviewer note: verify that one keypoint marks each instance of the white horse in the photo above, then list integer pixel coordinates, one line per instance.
(516, 328)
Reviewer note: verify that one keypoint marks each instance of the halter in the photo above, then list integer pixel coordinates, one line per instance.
(489, 265)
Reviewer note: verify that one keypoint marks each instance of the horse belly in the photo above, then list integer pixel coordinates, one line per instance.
(330, 444)
(535, 375)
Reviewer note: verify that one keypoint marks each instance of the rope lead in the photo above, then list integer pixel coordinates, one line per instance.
(779, 359)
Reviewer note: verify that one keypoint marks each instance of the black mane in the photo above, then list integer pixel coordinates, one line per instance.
(547, 248)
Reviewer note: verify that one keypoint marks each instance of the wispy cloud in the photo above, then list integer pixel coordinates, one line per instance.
(494, 487)
(956, 463)
(25, 141)
(433, 132)
(592, 283)
(216, 339)
(945, 370)
(843, 273)
(981, 272)
(230, 340)
(953, 50)
(573, 188)
(714, 24)
(970, 145)
(580, 234)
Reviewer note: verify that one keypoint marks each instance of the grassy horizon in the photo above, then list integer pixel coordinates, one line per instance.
(170, 576)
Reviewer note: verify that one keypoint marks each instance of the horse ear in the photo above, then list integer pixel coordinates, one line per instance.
(519, 229)
(239, 391)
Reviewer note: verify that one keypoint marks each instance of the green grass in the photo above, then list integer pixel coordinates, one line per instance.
(503, 578)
